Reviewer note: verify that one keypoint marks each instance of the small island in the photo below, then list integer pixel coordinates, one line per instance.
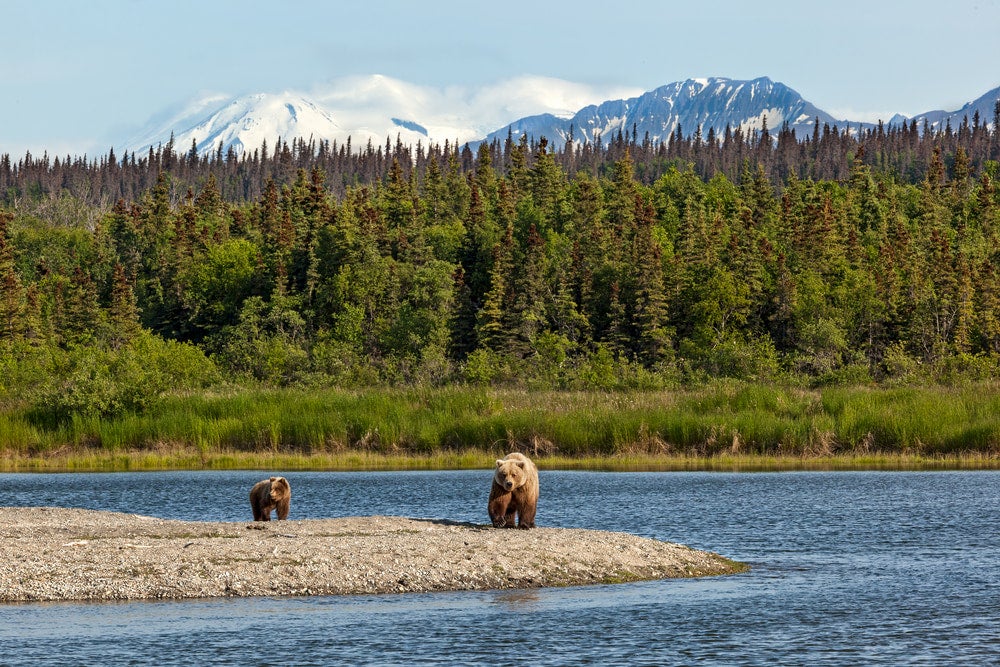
(49, 553)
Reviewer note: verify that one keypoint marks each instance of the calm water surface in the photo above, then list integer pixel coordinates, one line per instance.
(848, 569)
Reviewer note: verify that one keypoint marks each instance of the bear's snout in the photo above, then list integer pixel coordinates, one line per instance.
(508, 485)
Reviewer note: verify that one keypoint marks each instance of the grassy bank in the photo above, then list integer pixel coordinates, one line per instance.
(720, 427)
(189, 459)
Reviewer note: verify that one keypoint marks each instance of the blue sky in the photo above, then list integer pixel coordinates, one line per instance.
(81, 76)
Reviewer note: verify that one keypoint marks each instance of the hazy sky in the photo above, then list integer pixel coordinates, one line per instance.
(83, 75)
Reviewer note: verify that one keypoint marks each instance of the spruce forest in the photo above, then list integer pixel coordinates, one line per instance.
(849, 257)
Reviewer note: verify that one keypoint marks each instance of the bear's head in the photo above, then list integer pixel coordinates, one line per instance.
(279, 488)
(510, 474)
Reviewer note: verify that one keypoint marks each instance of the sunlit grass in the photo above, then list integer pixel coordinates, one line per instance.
(726, 425)
(192, 459)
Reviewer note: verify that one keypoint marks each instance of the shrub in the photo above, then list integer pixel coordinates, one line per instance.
(484, 367)
(93, 381)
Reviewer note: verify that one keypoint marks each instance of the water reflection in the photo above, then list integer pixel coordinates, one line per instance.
(518, 600)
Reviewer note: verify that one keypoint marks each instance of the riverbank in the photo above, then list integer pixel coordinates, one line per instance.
(190, 458)
(72, 554)
(321, 428)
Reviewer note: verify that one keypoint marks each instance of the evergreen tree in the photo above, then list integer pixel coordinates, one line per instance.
(620, 208)
(82, 314)
(123, 314)
(531, 296)
(463, 321)
(10, 285)
(490, 327)
(650, 316)
(616, 336)
(545, 181)
(35, 330)
(589, 237)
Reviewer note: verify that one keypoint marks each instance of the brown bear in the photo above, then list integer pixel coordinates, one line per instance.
(514, 492)
(270, 494)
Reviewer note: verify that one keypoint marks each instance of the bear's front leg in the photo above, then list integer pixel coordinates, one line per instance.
(498, 510)
(500, 519)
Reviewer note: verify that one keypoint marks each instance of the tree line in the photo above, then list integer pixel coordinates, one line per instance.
(843, 258)
(904, 151)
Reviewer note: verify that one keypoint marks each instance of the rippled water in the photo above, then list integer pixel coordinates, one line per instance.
(848, 568)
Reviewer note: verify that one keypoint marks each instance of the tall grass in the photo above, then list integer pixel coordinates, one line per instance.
(926, 420)
(726, 421)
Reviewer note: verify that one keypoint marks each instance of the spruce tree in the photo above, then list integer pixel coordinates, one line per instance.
(531, 295)
(491, 331)
(82, 315)
(654, 345)
(11, 296)
(463, 321)
(123, 314)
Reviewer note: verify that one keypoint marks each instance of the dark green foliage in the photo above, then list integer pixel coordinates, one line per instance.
(267, 344)
(214, 287)
(841, 259)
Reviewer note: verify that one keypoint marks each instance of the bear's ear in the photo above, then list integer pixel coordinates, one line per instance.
(273, 478)
(499, 462)
(520, 464)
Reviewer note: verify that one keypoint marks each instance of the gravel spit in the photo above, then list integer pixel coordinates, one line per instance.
(49, 553)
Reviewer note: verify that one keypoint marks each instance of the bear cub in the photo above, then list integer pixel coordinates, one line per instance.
(514, 492)
(268, 495)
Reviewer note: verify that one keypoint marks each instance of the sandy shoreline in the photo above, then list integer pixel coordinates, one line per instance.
(71, 554)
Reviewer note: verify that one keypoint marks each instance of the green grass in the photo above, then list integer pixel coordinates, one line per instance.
(725, 425)
(191, 459)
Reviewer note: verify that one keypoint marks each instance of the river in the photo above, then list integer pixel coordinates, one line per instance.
(849, 568)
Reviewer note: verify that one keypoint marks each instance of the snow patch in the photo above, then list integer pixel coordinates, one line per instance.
(775, 117)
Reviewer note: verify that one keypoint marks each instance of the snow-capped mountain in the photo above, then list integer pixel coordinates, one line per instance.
(246, 123)
(365, 108)
(377, 108)
(705, 103)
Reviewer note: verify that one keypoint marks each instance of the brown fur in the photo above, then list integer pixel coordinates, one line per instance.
(268, 495)
(514, 492)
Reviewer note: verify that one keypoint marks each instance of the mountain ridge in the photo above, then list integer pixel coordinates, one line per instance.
(691, 104)
(706, 104)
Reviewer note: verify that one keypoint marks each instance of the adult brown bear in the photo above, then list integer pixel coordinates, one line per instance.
(268, 495)
(514, 492)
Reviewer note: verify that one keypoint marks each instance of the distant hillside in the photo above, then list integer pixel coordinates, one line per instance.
(986, 106)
